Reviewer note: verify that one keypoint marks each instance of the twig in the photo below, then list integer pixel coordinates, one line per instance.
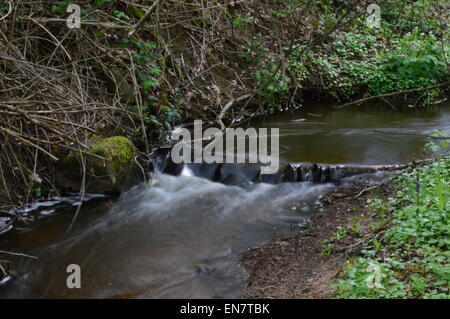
(17, 254)
(105, 25)
(3, 269)
(375, 186)
(81, 196)
(8, 13)
(348, 249)
(230, 104)
(393, 94)
(415, 134)
(138, 99)
(17, 136)
(39, 123)
(144, 18)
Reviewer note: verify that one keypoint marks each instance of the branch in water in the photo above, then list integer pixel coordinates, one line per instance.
(17, 254)
(415, 134)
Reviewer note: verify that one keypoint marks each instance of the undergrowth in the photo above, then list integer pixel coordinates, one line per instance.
(409, 257)
(416, 60)
(409, 51)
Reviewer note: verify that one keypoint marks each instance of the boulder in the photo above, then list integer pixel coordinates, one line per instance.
(113, 169)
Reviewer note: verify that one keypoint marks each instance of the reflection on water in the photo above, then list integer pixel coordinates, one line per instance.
(353, 135)
(181, 236)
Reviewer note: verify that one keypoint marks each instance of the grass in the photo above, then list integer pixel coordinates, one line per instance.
(408, 256)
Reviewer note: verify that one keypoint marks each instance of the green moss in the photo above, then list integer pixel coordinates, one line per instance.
(137, 12)
(118, 152)
(94, 138)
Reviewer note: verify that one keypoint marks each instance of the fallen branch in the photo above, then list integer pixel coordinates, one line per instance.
(365, 190)
(3, 269)
(387, 180)
(393, 94)
(230, 104)
(17, 254)
(415, 134)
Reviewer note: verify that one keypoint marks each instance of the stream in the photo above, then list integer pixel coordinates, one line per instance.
(181, 236)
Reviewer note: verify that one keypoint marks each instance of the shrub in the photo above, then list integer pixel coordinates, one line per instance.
(417, 60)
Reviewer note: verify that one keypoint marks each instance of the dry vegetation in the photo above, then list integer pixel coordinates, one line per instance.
(187, 59)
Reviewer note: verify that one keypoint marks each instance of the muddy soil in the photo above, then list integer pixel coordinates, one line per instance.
(298, 267)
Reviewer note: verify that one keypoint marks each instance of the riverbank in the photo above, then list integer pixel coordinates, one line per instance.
(369, 242)
(298, 267)
(211, 223)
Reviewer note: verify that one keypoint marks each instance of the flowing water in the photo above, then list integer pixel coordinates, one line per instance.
(181, 236)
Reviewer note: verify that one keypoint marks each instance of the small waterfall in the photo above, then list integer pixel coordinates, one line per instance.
(240, 174)
(186, 171)
(329, 173)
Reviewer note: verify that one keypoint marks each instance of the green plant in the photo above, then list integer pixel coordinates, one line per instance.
(61, 6)
(414, 259)
(362, 282)
(417, 60)
(148, 77)
(101, 3)
(433, 146)
(271, 87)
(376, 244)
(38, 192)
(419, 284)
(343, 71)
(255, 50)
(328, 244)
(327, 248)
(156, 111)
(168, 116)
(405, 16)
(241, 21)
(121, 15)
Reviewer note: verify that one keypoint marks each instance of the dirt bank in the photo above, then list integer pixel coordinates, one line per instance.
(302, 266)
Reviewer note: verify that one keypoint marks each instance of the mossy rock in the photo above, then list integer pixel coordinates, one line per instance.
(110, 175)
